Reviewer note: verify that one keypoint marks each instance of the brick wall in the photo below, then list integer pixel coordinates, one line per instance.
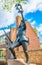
(35, 56)
(34, 42)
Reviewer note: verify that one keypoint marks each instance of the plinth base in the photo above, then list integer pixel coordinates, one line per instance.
(16, 62)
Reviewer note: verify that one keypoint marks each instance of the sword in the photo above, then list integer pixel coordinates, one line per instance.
(7, 35)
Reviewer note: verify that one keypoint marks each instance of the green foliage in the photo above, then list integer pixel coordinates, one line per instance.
(36, 31)
(8, 4)
(21, 1)
(18, 1)
(40, 43)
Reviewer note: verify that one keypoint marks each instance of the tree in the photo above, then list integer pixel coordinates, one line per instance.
(36, 31)
(41, 43)
(8, 4)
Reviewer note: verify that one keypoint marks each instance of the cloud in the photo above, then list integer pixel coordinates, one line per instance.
(32, 6)
(34, 16)
(2, 32)
(33, 23)
(39, 6)
(6, 18)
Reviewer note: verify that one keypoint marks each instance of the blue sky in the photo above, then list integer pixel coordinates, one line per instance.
(35, 20)
(32, 13)
(37, 16)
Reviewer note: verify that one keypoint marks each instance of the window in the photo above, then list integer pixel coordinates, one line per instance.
(2, 53)
(2, 40)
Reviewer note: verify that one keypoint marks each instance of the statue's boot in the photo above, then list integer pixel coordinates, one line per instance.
(13, 52)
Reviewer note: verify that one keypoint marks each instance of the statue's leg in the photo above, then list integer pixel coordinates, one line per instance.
(25, 51)
(13, 52)
(15, 44)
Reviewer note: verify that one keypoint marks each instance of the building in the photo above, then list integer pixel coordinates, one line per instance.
(2, 47)
(34, 42)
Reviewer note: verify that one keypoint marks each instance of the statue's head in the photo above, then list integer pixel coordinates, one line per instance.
(18, 20)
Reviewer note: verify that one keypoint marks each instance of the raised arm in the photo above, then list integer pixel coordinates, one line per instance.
(20, 10)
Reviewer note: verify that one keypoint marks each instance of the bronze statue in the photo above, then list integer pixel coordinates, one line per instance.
(21, 38)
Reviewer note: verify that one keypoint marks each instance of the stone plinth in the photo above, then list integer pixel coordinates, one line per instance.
(16, 62)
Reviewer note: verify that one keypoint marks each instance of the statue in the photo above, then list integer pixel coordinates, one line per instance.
(21, 31)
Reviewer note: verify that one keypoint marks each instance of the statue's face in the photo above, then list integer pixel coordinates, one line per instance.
(18, 21)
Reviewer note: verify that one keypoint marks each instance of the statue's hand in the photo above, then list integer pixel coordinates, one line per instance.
(11, 41)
